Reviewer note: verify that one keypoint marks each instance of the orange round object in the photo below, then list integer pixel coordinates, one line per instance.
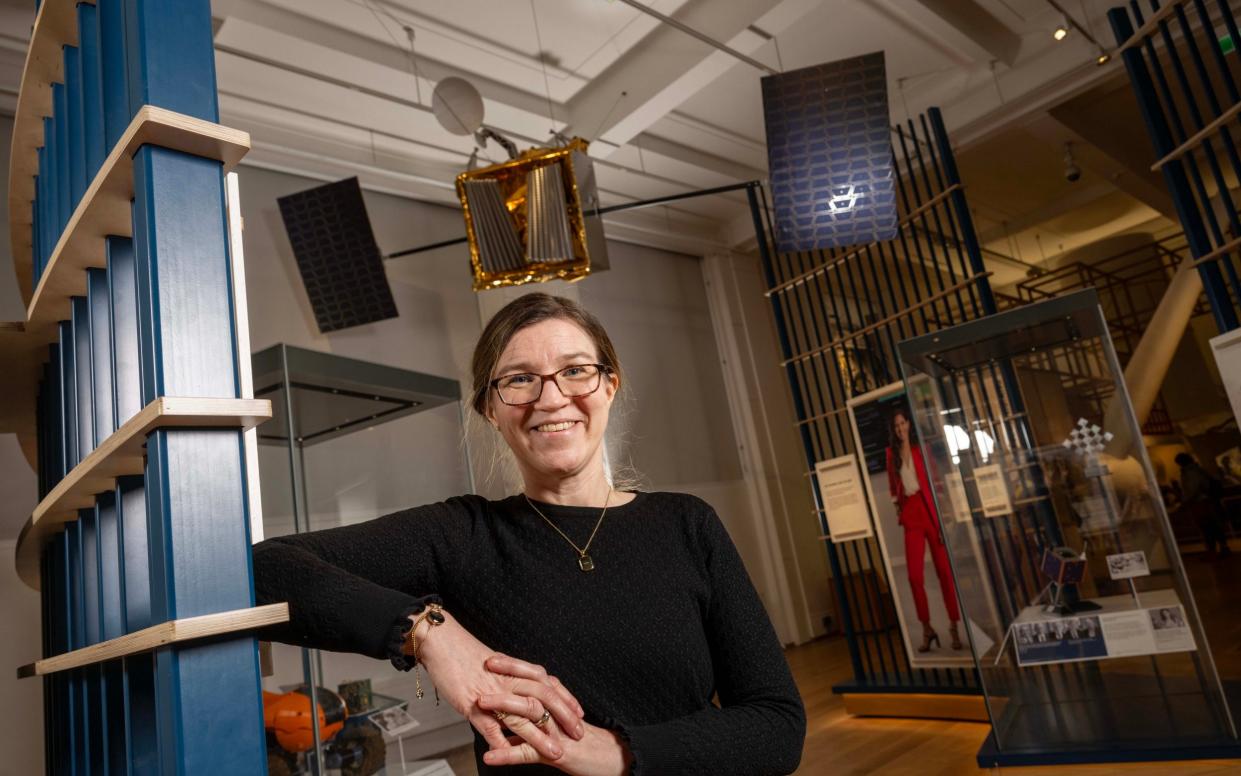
(287, 716)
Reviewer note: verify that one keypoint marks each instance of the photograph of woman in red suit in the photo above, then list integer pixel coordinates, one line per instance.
(910, 489)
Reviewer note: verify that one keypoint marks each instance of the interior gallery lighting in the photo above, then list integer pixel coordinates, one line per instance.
(1061, 32)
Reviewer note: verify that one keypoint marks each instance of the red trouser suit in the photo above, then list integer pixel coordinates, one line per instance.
(917, 516)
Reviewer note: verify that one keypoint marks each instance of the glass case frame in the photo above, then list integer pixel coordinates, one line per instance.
(1095, 649)
(319, 399)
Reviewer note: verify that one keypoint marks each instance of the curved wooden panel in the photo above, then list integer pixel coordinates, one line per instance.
(55, 26)
(156, 636)
(121, 454)
(105, 207)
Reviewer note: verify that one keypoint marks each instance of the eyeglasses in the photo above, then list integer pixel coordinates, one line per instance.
(573, 381)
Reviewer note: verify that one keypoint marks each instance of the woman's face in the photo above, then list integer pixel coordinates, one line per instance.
(535, 432)
(900, 424)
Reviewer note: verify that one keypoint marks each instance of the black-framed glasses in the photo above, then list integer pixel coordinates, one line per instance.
(573, 381)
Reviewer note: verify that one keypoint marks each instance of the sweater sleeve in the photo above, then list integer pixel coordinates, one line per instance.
(352, 588)
(760, 724)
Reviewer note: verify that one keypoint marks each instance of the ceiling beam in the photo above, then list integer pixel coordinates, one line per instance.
(667, 67)
(962, 30)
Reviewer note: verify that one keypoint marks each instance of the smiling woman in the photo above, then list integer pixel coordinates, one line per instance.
(578, 628)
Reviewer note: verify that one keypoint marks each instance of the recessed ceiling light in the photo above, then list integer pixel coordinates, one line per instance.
(1103, 58)
(1062, 32)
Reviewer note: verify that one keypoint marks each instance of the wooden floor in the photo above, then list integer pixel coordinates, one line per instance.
(840, 745)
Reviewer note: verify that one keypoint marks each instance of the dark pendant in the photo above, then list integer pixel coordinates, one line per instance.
(435, 617)
(586, 563)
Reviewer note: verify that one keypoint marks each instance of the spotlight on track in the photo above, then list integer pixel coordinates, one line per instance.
(1062, 29)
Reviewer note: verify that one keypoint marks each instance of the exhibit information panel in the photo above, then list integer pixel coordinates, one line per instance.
(1089, 638)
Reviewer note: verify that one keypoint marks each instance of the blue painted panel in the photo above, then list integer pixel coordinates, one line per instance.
(198, 525)
(40, 212)
(41, 425)
(137, 691)
(55, 409)
(64, 739)
(80, 721)
(185, 310)
(92, 621)
(142, 722)
(111, 607)
(97, 298)
(59, 114)
(123, 287)
(82, 358)
(114, 717)
(131, 513)
(76, 133)
(68, 396)
(212, 687)
(36, 246)
(46, 614)
(116, 110)
(51, 207)
(171, 58)
(92, 88)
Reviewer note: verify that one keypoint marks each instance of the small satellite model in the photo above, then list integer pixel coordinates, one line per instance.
(529, 219)
(1063, 567)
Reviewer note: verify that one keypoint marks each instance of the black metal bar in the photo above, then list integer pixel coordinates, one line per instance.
(1173, 171)
(603, 211)
(846, 618)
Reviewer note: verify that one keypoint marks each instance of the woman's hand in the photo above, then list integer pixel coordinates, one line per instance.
(600, 752)
(595, 752)
(455, 661)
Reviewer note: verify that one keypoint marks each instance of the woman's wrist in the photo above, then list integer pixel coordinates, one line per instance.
(422, 626)
(421, 640)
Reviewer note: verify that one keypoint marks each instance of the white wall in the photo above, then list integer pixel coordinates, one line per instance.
(21, 713)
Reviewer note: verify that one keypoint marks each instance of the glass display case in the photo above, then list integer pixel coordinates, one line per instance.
(1088, 642)
(349, 441)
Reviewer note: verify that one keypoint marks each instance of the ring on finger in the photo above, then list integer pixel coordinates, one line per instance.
(543, 719)
(500, 715)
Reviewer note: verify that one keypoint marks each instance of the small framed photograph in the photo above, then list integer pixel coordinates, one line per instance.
(394, 721)
(1127, 565)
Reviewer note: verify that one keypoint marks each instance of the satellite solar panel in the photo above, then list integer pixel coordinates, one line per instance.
(337, 256)
(829, 154)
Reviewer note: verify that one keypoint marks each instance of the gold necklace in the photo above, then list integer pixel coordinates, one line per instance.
(584, 561)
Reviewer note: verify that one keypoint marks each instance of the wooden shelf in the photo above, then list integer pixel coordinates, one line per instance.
(55, 26)
(156, 636)
(105, 208)
(122, 454)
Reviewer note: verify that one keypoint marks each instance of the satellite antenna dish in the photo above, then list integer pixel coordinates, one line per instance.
(457, 106)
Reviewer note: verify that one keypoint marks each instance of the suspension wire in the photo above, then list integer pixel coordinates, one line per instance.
(542, 55)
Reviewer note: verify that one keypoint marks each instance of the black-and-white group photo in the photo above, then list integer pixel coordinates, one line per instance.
(1051, 631)
(1126, 565)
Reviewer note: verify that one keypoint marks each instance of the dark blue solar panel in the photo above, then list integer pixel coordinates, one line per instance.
(829, 154)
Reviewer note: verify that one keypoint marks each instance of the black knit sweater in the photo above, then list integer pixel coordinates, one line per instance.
(667, 619)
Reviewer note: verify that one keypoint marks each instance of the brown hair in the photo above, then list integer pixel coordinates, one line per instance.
(518, 314)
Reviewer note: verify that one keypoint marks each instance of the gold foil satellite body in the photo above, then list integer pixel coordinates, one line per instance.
(534, 218)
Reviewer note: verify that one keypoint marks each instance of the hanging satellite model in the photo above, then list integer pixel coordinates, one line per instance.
(532, 218)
